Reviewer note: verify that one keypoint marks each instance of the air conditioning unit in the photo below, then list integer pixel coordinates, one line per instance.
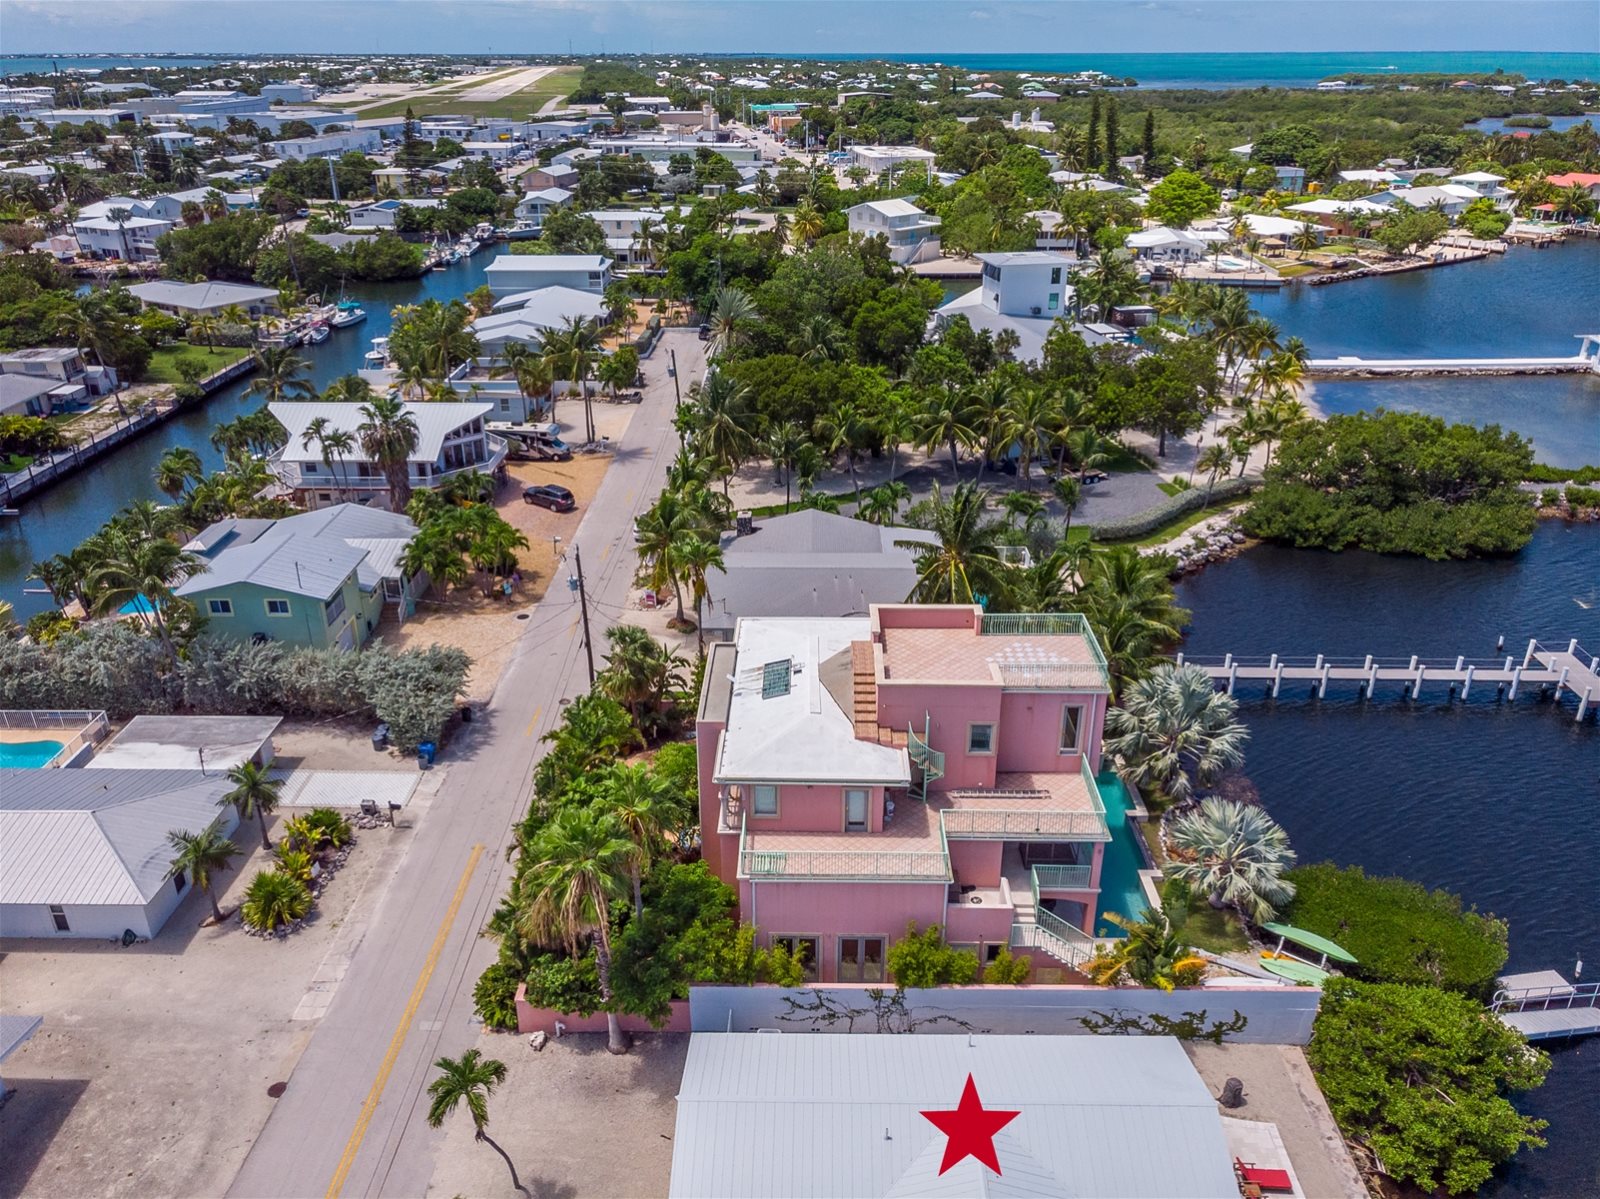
(1036, 310)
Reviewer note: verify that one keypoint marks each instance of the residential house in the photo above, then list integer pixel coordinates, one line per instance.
(44, 379)
(534, 207)
(382, 214)
(913, 235)
(451, 440)
(1378, 178)
(132, 239)
(1339, 216)
(1291, 179)
(1451, 199)
(189, 300)
(540, 178)
(524, 316)
(212, 743)
(322, 578)
(1487, 185)
(808, 564)
(1160, 244)
(1589, 183)
(1025, 292)
(928, 763)
(511, 273)
(621, 228)
(85, 853)
(491, 151)
(661, 147)
(328, 145)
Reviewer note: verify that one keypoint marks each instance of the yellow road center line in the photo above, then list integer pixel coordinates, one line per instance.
(358, 1134)
(528, 732)
(605, 553)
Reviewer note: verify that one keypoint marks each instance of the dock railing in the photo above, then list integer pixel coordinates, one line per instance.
(1542, 999)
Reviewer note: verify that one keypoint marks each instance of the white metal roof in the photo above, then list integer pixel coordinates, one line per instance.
(97, 836)
(895, 207)
(435, 421)
(546, 306)
(514, 264)
(298, 564)
(1099, 1117)
(176, 743)
(200, 295)
(801, 735)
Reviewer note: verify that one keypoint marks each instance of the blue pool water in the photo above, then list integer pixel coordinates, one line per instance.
(137, 605)
(27, 755)
(1120, 891)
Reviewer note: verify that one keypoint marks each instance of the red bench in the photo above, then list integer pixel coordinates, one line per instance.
(1266, 1179)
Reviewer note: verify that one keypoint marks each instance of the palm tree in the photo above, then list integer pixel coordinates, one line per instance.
(582, 860)
(664, 530)
(696, 557)
(947, 419)
(255, 793)
(1152, 953)
(140, 567)
(639, 800)
(731, 311)
(120, 218)
(177, 468)
(274, 897)
(721, 420)
(881, 505)
(807, 225)
(530, 370)
(279, 372)
(1030, 419)
(844, 428)
(1214, 459)
(1307, 237)
(469, 1079)
(200, 855)
(820, 339)
(1129, 602)
(640, 673)
(1174, 729)
(1069, 491)
(1237, 856)
(207, 326)
(1088, 451)
(965, 561)
(783, 446)
(572, 351)
(388, 434)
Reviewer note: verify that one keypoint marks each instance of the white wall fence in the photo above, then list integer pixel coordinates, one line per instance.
(1264, 1015)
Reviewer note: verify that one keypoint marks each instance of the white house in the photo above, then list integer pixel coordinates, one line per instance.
(383, 213)
(84, 853)
(621, 227)
(1375, 177)
(524, 317)
(328, 145)
(511, 273)
(1487, 185)
(877, 159)
(189, 300)
(534, 207)
(130, 240)
(37, 381)
(451, 440)
(1025, 292)
(1160, 244)
(1449, 198)
(913, 235)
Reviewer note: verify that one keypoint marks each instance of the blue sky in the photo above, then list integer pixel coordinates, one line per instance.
(795, 26)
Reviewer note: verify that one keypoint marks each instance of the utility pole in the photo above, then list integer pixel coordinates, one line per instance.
(677, 390)
(583, 607)
(333, 180)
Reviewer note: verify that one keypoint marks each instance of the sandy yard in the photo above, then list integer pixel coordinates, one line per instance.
(335, 744)
(488, 627)
(150, 1074)
(576, 1121)
(1279, 1088)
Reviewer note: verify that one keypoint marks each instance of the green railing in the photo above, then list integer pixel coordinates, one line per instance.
(1061, 878)
(858, 865)
(1048, 675)
(1055, 936)
(930, 760)
(1024, 824)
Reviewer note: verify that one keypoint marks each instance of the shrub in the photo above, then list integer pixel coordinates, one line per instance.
(274, 898)
(294, 862)
(923, 959)
(329, 825)
(565, 984)
(1540, 473)
(1583, 497)
(1398, 930)
(1006, 970)
(1420, 1076)
(1170, 508)
(495, 997)
(1549, 497)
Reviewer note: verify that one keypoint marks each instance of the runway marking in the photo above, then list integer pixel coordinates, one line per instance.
(364, 1120)
(528, 732)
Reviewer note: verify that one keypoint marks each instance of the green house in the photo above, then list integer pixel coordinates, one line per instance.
(321, 579)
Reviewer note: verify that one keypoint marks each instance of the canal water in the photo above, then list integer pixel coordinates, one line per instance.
(1524, 303)
(60, 518)
(1497, 802)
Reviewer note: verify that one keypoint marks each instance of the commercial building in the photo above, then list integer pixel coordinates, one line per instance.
(329, 145)
(933, 764)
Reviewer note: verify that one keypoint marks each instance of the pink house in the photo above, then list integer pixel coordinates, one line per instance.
(927, 763)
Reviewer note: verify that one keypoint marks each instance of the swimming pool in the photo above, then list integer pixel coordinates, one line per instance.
(137, 606)
(29, 755)
(1120, 890)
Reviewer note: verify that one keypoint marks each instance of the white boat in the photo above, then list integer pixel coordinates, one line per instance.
(346, 314)
(317, 333)
(378, 356)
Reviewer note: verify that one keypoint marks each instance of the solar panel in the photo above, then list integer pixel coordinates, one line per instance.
(775, 678)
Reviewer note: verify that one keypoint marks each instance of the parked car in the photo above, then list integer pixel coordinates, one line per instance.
(705, 332)
(549, 495)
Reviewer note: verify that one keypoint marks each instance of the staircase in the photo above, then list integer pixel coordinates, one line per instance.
(1038, 928)
(925, 757)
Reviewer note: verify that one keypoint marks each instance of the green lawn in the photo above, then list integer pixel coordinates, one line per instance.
(164, 362)
(12, 463)
(1215, 931)
(1171, 488)
(1120, 457)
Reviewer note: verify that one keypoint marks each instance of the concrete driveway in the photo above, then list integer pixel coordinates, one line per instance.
(352, 1119)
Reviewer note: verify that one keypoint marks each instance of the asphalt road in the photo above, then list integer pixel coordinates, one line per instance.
(352, 1120)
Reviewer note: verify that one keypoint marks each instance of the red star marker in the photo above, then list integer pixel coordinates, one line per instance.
(971, 1129)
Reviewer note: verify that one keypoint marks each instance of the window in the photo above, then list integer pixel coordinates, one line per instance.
(805, 950)
(336, 607)
(861, 959)
(179, 882)
(855, 810)
(219, 607)
(1055, 275)
(980, 738)
(505, 403)
(1071, 729)
(59, 917)
(308, 468)
(277, 607)
(1055, 300)
(764, 799)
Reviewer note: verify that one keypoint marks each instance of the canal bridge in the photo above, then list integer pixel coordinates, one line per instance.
(1560, 668)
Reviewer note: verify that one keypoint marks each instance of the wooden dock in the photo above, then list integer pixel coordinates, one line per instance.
(1560, 668)
(1543, 1005)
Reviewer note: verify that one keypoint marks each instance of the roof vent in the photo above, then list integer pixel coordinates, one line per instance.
(744, 524)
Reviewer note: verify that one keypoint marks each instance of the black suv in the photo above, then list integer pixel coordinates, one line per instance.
(548, 495)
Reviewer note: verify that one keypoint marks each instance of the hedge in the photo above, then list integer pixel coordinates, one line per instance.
(1583, 497)
(1540, 473)
(1398, 930)
(119, 669)
(1170, 508)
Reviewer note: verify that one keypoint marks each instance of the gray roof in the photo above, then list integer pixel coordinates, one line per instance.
(200, 295)
(435, 421)
(294, 563)
(811, 564)
(19, 389)
(524, 263)
(97, 836)
(380, 536)
(176, 743)
(14, 1030)
(1099, 1117)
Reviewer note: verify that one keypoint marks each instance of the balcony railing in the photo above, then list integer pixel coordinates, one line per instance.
(842, 865)
(1062, 878)
(1047, 675)
(1024, 824)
